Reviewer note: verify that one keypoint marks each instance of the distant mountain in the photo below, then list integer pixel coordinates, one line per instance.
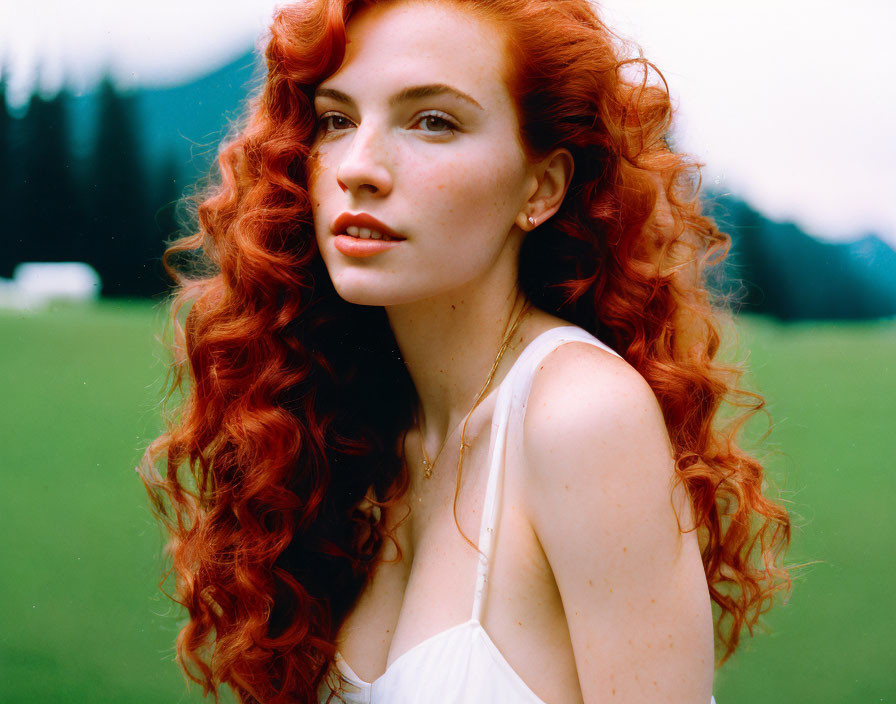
(187, 122)
(787, 273)
(183, 123)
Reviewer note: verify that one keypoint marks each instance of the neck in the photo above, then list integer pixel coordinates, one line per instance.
(449, 345)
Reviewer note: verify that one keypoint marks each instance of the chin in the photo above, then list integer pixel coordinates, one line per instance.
(384, 293)
(367, 295)
(362, 298)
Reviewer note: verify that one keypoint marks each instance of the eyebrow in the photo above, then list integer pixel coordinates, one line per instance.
(412, 93)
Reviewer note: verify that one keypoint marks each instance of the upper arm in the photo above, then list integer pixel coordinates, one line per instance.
(599, 494)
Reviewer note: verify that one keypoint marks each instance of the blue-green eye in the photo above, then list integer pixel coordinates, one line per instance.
(433, 123)
(436, 122)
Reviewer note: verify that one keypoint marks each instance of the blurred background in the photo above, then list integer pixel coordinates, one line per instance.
(110, 111)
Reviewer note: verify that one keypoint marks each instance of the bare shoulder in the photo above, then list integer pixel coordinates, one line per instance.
(601, 498)
(582, 393)
(594, 422)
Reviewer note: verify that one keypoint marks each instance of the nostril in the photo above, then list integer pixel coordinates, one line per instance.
(356, 175)
(360, 187)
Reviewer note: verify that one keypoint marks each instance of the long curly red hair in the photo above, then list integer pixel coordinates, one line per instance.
(280, 432)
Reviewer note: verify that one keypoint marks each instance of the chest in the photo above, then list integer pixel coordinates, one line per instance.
(425, 581)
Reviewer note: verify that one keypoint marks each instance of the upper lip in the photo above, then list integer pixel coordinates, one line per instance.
(346, 220)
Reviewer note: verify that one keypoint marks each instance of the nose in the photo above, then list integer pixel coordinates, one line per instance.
(364, 167)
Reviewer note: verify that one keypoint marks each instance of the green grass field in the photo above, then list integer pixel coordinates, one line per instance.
(83, 620)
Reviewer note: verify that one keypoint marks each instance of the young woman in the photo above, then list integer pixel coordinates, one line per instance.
(451, 430)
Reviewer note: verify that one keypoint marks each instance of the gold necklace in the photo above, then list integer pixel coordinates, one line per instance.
(508, 336)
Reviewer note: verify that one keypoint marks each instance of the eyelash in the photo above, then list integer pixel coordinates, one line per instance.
(451, 126)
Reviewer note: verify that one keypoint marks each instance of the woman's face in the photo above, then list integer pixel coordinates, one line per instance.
(417, 129)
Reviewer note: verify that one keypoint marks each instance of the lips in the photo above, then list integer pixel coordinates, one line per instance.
(359, 220)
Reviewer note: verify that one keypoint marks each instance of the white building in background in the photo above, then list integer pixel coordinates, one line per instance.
(37, 284)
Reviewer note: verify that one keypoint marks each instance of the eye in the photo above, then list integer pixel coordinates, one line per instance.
(333, 122)
(436, 122)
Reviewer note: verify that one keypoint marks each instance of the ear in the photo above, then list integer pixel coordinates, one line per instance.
(549, 181)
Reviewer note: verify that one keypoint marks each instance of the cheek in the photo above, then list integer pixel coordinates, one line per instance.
(321, 185)
(316, 172)
(475, 189)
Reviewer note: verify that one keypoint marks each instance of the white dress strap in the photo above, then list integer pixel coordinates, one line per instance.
(509, 409)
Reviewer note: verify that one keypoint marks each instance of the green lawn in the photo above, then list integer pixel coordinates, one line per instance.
(831, 391)
(83, 620)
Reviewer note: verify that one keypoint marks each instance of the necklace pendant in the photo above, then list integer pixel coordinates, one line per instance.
(427, 470)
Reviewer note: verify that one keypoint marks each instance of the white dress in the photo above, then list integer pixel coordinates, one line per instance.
(462, 665)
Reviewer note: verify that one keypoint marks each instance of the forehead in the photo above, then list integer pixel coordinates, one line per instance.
(397, 44)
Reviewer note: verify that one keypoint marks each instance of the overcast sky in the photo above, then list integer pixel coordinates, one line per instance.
(789, 103)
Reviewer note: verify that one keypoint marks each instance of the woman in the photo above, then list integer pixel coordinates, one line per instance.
(451, 433)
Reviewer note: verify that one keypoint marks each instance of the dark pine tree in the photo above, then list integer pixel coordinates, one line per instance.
(120, 220)
(51, 213)
(165, 218)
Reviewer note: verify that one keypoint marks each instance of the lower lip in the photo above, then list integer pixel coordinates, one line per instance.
(357, 247)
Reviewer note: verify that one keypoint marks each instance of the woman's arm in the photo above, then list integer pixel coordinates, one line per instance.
(599, 494)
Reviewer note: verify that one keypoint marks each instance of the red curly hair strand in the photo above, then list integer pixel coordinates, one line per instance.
(265, 463)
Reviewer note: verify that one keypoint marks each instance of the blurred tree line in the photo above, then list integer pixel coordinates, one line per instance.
(107, 208)
(113, 208)
(775, 268)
